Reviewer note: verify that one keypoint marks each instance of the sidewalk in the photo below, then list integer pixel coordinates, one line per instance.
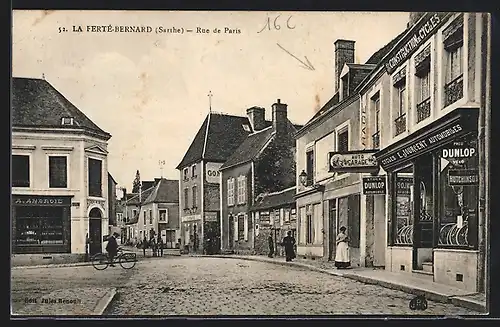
(409, 283)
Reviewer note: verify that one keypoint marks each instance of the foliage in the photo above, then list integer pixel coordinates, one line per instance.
(137, 182)
(275, 168)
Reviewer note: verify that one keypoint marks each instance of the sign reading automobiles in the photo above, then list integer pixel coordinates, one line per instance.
(353, 161)
(212, 172)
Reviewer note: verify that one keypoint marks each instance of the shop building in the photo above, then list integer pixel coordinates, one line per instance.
(431, 149)
(332, 158)
(275, 214)
(264, 162)
(59, 176)
(199, 196)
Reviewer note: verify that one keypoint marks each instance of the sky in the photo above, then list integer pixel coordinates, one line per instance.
(150, 90)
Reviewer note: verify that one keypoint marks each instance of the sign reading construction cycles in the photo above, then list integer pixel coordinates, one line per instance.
(212, 172)
(374, 185)
(427, 27)
(460, 177)
(353, 161)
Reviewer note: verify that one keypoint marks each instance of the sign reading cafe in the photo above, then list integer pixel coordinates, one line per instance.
(353, 161)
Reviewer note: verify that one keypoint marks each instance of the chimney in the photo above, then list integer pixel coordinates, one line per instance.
(344, 53)
(256, 116)
(414, 17)
(157, 180)
(280, 119)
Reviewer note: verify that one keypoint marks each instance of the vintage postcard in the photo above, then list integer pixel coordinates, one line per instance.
(232, 163)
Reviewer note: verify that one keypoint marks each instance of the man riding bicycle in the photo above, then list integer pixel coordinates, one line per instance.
(112, 247)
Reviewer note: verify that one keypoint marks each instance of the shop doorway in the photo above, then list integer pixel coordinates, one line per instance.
(423, 206)
(332, 216)
(95, 231)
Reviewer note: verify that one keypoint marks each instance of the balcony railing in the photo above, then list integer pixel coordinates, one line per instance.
(400, 124)
(454, 91)
(376, 140)
(423, 110)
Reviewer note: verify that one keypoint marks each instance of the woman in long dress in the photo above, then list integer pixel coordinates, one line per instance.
(342, 259)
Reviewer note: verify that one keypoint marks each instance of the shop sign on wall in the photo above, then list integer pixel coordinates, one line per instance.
(460, 177)
(374, 185)
(41, 200)
(212, 172)
(211, 216)
(353, 161)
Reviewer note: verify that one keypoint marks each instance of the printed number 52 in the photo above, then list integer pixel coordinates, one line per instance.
(275, 24)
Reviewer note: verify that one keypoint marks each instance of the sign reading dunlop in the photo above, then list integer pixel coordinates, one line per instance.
(362, 161)
(374, 185)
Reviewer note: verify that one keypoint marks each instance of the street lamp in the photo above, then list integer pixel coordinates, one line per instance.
(303, 178)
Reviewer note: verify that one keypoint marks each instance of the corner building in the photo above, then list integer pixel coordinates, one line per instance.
(425, 118)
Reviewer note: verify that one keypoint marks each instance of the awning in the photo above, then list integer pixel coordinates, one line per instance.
(456, 124)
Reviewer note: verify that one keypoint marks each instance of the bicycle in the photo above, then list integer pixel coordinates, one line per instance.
(127, 260)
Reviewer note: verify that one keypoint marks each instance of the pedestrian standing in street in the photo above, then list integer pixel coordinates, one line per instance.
(152, 244)
(289, 244)
(160, 246)
(112, 248)
(342, 260)
(271, 246)
(144, 245)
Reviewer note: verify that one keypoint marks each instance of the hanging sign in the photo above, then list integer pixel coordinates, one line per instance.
(362, 161)
(460, 177)
(374, 185)
(212, 172)
(211, 216)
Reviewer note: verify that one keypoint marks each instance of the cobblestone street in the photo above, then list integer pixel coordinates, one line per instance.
(216, 286)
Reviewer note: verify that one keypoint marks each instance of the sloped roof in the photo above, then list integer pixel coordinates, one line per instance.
(36, 103)
(225, 134)
(373, 60)
(275, 199)
(165, 191)
(135, 198)
(249, 148)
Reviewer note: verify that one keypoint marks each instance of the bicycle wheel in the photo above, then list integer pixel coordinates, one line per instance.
(100, 261)
(128, 260)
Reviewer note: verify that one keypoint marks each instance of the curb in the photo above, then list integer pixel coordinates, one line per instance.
(105, 302)
(434, 296)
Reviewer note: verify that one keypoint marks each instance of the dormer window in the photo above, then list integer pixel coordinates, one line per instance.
(246, 127)
(67, 121)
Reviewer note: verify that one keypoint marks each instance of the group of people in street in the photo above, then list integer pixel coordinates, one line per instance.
(342, 258)
(156, 245)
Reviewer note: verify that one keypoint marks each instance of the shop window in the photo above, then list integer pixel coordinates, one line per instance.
(422, 83)
(402, 207)
(20, 171)
(453, 37)
(241, 227)
(39, 225)
(95, 177)
(376, 124)
(399, 101)
(163, 217)
(309, 225)
(58, 172)
(310, 167)
(186, 198)
(195, 194)
(459, 194)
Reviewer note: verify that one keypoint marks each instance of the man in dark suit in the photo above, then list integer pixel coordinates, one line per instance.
(112, 248)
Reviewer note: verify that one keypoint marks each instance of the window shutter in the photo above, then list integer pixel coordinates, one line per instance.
(245, 233)
(244, 189)
(236, 228)
(166, 215)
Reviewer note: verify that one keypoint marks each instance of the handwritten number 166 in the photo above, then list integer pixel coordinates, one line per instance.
(276, 25)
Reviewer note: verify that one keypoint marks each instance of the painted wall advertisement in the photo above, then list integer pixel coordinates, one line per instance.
(212, 172)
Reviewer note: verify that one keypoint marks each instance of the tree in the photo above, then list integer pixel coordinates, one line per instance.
(137, 182)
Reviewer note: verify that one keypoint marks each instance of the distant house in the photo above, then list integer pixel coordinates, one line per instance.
(264, 162)
(133, 204)
(160, 212)
(59, 176)
(275, 214)
(199, 198)
(112, 201)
